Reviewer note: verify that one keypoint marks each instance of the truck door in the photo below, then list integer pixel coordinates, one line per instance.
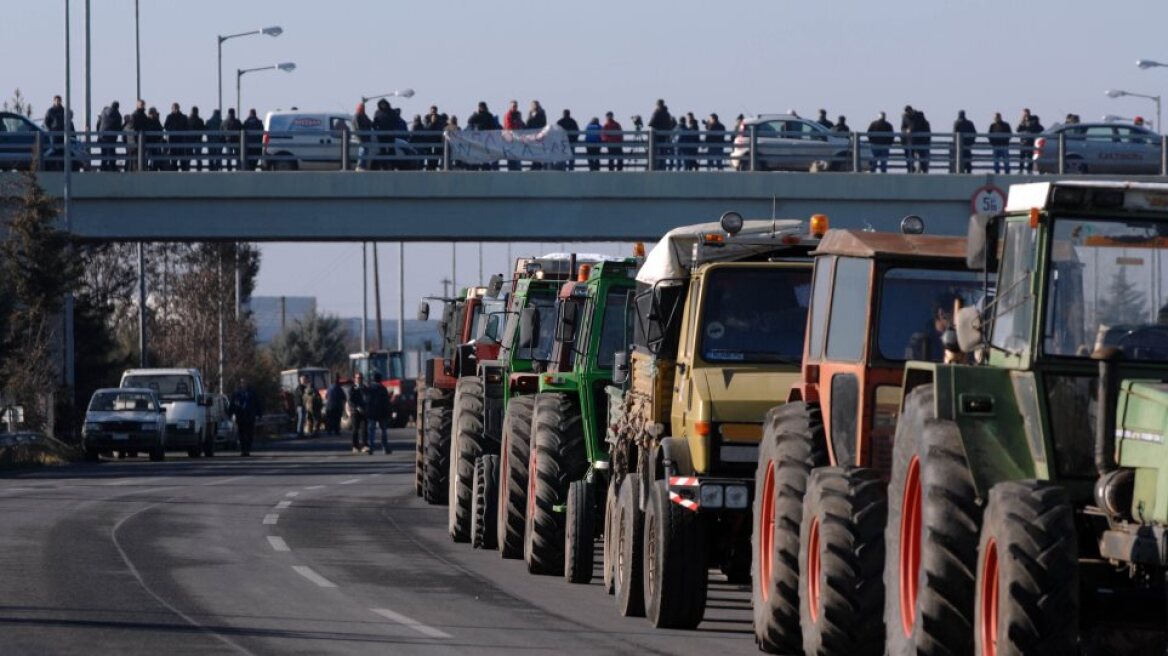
(683, 392)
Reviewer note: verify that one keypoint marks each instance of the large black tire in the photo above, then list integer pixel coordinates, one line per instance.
(579, 532)
(557, 458)
(792, 445)
(674, 563)
(426, 398)
(92, 454)
(608, 557)
(483, 511)
(158, 453)
(941, 523)
(841, 562)
(466, 445)
(1027, 572)
(209, 445)
(437, 460)
(515, 453)
(630, 523)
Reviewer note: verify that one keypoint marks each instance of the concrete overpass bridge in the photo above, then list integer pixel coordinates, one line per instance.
(492, 206)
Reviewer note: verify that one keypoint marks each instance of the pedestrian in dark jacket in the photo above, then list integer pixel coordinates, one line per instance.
(880, 138)
(823, 119)
(922, 141)
(1026, 152)
(232, 127)
(359, 414)
(384, 123)
(1000, 143)
(569, 125)
(966, 133)
(841, 126)
(299, 406)
(715, 138)
(536, 120)
(55, 125)
(176, 126)
(364, 128)
(254, 128)
(379, 413)
(197, 127)
(245, 408)
(154, 150)
(214, 129)
(109, 125)
(662, 125)
(689, 140)
(434, 125)
(907, 120)
(334, 406)
(592, 140)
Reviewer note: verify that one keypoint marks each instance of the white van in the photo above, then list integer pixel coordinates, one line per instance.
(188, 407)
(296, 140)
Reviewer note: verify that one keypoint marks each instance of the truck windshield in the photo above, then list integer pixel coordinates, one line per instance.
(121, 401)
(168, 387)
(545, 305)
(916, 307)
(389, 365)
(755, 314)
(1106, 288)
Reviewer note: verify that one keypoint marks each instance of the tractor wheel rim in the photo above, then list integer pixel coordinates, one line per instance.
(620, 545)
(813, 568)
(652, 560)
(988, 622)
(531, 477)
(766, 532)
(910, 545)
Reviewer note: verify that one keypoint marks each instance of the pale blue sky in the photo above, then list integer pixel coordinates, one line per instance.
(850, 57)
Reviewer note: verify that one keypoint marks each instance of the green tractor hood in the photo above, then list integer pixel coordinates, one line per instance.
(1141, 426)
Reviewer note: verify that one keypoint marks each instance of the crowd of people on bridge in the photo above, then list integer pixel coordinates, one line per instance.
(186, 141)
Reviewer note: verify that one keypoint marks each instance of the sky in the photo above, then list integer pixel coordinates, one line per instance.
(851, 57)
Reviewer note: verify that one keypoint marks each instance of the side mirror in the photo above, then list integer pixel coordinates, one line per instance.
(981, 246)
(495, 286)
(423, 311)
(528, 326)
(620, 367)
(968, 330)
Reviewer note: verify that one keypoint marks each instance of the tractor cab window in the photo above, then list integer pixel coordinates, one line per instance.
(1106, 288)
(540, 346)
(615, 327)
(916, 307)
(755, 315)
(1015, 300)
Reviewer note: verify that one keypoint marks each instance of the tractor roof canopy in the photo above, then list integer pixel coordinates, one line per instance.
(674, 255)
(891, 245)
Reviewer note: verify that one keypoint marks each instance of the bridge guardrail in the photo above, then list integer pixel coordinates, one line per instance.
(640, 150)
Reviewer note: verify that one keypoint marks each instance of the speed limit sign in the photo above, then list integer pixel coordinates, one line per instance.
(988, 200)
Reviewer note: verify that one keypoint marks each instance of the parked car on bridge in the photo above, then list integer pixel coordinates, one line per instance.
(296, 140)
(19, 138)
(1099, 148)
(787, 142)
(126, 420)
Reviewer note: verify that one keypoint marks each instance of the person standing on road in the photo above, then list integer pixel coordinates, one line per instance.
(880, 138)
(154, 136)
(714, 138)
(363, 128)
(966, 133)
(379, 413)
(334, 406)
(214, 140)
(611, 134)
(232, 127)
(592, 139)
(907, 121)
(1026, 152)
(245, 409)
(359, 414)
(55, 125)
(298, 404)
(513, 120)
(536, 120)
(176, 127)
(254, 128)
(569, 125)
(661, 123)
(109, 125)
(197, 127)
(823, 119)
(385, 123)
(312, 411)
(1000, 143)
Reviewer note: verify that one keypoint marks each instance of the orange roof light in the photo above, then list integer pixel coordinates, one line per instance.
(639, 249)
(1035, 215)
(714, 238)
(702, 428)
(585, 269)
(818, 225)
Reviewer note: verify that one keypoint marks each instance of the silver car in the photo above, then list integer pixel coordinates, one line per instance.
(1121, 148)
(791, 143)
(126, 420)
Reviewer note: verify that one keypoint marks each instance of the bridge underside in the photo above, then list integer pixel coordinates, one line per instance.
(487, 206)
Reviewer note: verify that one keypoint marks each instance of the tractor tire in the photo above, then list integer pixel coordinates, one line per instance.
(483, 511)
(608, 558)
(557, 458)
(841, 562)
(929, 573)
(628, 581)
(1027, 572)
(674, 563)
(466, 445)
(793, 444)
(580, 532)
(209, 445)
(437, 460)
(428, 397)
(513, 457)
(158, 453)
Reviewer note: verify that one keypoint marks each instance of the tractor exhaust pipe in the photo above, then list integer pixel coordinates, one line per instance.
(1105, 413)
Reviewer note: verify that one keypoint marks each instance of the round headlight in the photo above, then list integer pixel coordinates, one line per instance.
(731, 222)
(912, 225)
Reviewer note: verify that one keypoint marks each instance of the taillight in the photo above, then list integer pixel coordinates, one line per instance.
(1039, 144)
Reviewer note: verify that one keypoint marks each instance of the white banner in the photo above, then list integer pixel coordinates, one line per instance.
(548, 145)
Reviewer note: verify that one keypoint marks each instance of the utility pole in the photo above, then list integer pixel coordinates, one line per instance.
(453, 268)
(137, 56)
(68, 368)
(143, 360)
(401, 296)
(480, 263)
(222, 294)
(445, 285)
(88, 76)
(377, 298)
(364, 299)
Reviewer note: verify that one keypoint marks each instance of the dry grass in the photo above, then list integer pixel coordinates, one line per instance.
(30, 450)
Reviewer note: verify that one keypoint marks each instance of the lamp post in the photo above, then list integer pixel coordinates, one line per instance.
(398, 93)
(1117, 93)
(274, 30)
(287, 67)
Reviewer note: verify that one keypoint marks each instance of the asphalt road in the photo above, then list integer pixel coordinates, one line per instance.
(303, 548)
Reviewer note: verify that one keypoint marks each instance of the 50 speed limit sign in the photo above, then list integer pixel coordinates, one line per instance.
(988, 200)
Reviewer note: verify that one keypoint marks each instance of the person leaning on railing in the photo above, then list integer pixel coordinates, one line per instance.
(231, 129)
(592, 141)
(880, 138)
(109, 125)
(1000, 134)
(363, 126)
(612, 134)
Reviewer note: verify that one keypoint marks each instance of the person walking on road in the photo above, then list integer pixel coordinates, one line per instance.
(379, 413)
(245, 409)
(334, 406)
(611, 134)
(298, 404)
(592, 140)
(880, 138)
(966, 133)
(359, 414)
(1000, 143)
(922, 141)
(313, 405)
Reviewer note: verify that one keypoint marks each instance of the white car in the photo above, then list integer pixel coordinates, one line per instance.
(791, 143)
(126, 420)
(296, 140)
(187, 403)
(1115, 148)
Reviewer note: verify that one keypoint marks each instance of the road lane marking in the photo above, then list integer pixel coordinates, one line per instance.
(271, 519)
(226, 480)
(411, 623)
(124, 481)
(351, 481)
(278, 543)
(308, 573)
(291, 494)
(283, 504)
(316, 487)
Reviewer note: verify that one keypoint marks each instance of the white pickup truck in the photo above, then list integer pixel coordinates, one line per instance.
(188, 407)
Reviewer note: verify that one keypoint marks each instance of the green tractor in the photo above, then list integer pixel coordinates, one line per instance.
(568, 460)
(1028, 502)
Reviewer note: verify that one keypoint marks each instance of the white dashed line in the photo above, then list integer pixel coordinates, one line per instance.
(278, 543)
(316, 487)
(351, 481)
(226, 480)
(124, 481)
(411, 623)
(283, 504)
(291, 494)
(271, 519)
(308, 573)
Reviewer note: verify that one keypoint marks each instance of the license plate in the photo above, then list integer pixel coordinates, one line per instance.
(120, 436)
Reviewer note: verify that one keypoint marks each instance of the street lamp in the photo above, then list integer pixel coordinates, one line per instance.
(400, 93)
(1116, 93)
(274, 30)
(287, 67)
(1148, 63)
